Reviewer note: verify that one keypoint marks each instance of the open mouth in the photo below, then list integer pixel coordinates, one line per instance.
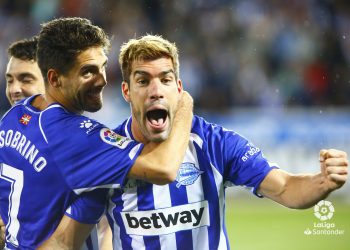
(157, 118)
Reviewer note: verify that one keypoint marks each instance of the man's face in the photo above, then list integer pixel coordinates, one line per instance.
(23, 79)
(81, 88)
(153, 93)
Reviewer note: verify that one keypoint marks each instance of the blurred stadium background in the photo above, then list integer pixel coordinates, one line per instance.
(277, 72)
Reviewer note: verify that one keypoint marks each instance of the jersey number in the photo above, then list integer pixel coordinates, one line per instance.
(15, 177)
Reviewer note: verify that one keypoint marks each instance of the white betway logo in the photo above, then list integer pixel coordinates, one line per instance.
(167, 220)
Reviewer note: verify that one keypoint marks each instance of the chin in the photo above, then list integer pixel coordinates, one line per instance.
(159, 137)
(93, 109)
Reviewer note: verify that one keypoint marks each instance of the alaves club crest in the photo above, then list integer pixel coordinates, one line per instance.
(187, 174)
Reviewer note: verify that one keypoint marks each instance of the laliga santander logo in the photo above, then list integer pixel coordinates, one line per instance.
(324, 210)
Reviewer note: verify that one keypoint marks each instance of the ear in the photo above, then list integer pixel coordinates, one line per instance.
(52, 78)
(126, 91)
(179, 86)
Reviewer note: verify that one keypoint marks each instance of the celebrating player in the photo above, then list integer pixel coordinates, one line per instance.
(50, 153)
(24, 79)
(189, 212)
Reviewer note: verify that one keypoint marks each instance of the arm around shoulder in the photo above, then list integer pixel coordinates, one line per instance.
(69, 235)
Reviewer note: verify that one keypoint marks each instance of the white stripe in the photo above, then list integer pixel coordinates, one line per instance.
(15, 105)
(81, 190)
(196, 139)
(220, 189)
(126, 128)
(116, 242)
(195, 194)
(162, 199)
(134, 151)
(130, 204)
(41, 129)
(94, 240)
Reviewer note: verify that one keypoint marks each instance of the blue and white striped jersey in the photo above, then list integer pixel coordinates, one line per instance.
(46, 159)
(190, 212)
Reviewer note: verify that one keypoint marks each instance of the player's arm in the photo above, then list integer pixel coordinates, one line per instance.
(69, 235)
(305, 190)
(104, 235)
(159, 162)
(2, 233)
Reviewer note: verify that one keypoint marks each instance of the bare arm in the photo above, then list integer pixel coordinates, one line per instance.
(104, 234)
(159, 162)
(305, 190)
(69, 235)
(2, 234)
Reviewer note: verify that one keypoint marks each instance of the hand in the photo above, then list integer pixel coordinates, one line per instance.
(2, 233)
(186, 101)
(334, 167)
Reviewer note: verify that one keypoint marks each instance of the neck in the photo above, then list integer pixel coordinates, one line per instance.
(56, 97)
(40, 102)
(136, 132)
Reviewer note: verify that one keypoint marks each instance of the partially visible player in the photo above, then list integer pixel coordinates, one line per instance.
(24, 79)
(189, 213)
(23, 76)
(50, 153)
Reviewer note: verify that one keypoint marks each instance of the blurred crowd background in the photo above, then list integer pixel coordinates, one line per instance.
(233, 53)
(276, 71)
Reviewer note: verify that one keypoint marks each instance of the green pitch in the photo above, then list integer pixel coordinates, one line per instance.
(259, 224)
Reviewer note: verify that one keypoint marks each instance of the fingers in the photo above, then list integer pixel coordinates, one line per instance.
(332, 153)
(334, 165)
(336, 170)
(187, 100)
(339, 179)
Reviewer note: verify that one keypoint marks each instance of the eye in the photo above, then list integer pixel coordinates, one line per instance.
(27, 80)
(142, 81)
(9, 81)
(166, 80)
(87, 73)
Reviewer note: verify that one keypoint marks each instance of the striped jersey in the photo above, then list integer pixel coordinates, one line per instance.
(190, 212)
(47, 158)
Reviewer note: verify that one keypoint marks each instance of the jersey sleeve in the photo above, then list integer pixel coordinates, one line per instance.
(89, 207)
(88, 154)
(239, 161)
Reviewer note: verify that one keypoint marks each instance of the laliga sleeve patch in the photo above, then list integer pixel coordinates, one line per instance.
(112, 138)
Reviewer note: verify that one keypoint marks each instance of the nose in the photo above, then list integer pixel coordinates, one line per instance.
(156, 90)
(102, 81)
(15, 88)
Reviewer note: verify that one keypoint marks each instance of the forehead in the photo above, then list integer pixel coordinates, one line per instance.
(17, 66)
(152, 66)
(93, 55)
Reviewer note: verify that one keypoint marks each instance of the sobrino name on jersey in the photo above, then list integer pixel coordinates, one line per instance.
(167, 220)
(24, 147)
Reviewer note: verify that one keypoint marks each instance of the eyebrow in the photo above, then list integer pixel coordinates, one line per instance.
(145, 73)
(21, 75)
(93, 65)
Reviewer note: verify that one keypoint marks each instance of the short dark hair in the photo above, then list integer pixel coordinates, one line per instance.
(63, 39)
(24, 49)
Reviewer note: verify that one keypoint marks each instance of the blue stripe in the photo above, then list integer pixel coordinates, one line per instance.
(179, 197)
(89, 244)
(145, 201)
(126, 239)
(117, 200)
(211, 195)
